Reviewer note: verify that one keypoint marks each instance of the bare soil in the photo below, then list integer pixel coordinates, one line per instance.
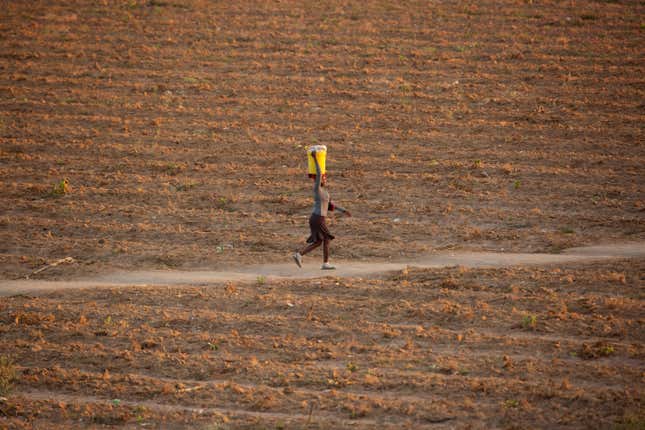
(181, 127)
(142, 135)
(528, 347)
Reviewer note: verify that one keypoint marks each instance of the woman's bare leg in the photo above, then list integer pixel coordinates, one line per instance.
(326, 250)
(307, 249)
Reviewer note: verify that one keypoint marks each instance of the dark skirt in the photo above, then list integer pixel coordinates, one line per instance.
(319, 230)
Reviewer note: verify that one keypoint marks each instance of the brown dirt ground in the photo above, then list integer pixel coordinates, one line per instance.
(548, 347)
(181, 127)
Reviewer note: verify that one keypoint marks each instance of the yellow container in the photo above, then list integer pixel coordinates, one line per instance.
(321, 156)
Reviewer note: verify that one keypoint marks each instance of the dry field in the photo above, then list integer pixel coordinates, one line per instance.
(181, 128)
(447, 348)
(167, 134)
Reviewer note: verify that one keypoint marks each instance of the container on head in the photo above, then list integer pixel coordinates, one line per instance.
(321, 156)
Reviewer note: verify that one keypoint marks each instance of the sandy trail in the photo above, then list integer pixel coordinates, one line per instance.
(311, 269)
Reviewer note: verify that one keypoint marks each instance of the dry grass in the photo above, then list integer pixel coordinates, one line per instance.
(8, 375)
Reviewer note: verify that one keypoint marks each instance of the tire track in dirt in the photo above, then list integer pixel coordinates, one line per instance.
(310, 270)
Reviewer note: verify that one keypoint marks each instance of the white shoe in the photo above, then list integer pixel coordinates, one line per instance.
(327, 266)
(298, 259)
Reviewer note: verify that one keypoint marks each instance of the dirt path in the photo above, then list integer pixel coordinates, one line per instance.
(311, 269)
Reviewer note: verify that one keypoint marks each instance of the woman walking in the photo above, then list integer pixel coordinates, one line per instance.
(320, 234)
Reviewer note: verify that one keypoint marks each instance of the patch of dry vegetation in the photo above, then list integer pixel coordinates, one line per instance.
(7, 375)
